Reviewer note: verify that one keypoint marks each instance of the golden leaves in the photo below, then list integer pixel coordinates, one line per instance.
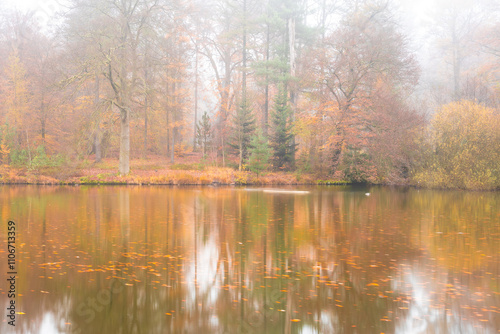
(464, 148)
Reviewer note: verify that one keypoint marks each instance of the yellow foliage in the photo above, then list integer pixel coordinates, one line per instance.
(16, 92)
(464, 148)
(4, 150)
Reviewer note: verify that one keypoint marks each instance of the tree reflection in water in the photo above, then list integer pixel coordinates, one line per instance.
(229, 260)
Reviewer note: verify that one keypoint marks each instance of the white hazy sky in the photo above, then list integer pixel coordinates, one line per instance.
(44, 9)
(416, 13)
(418, 8)
(43, 5)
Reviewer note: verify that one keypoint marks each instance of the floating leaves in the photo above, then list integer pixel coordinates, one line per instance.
(375, 267)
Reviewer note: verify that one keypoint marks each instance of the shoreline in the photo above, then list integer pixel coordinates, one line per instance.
(174, 178)
(211, 176)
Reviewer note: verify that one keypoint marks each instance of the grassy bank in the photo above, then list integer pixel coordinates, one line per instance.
(149, 172)
(159, 172)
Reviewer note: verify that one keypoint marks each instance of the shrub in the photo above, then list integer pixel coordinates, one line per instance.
(259, 153)
(463, 149)
(195, 166)
(19, 157)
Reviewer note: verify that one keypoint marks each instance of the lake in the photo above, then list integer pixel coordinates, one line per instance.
(338, 259)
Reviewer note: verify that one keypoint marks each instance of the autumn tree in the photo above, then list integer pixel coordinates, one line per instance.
(45, 77)
(118, 54)
(220, 47)
(365, 50)
(121, 73)
(17, 117)
(174, 77)
(463, 149)
(393, 145)
(35, 55)
(84, 83)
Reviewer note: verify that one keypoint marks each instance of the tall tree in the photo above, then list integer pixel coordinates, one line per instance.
(363, 52)
(260, 153)
(119, 40)
(204, 134)
(243, 128)
(243, 121)
(17, 116)
(454, 36)
(281, 139)
(221, 50)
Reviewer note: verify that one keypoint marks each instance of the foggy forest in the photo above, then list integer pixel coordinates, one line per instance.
(251, 91)
(250, 166)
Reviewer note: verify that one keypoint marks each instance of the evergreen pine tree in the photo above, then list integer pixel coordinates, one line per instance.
(259, 153)
(204, 133)
(281, 140)
(243, 128)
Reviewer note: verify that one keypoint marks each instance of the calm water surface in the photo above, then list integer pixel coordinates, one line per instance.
(234, 260)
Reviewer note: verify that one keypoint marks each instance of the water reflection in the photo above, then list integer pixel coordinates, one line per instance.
(229, 260)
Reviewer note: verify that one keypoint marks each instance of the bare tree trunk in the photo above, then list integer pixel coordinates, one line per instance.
(167, 115)
(266, 102)
(124, 142)
(456, 61)
(174, 119)
(195, 95)
(172, 149)
(244, 53)
(42, 118)
(146, 110)
(244, 80)
(146, 102)
(225, 107)
(97, 143)
(291, 42)
(97, 137)
(168, 135)
(240, 165)
(29, 148)
(123, 94)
